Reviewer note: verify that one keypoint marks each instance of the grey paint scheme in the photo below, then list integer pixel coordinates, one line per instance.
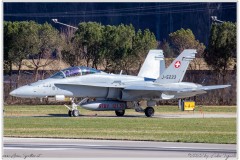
(122, 87)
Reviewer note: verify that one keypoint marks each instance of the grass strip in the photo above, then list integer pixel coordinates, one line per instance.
(210, 130)
(34, 110)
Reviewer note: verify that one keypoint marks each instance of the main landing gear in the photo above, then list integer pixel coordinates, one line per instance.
(73, 111)
(149, 111)
(120, 113)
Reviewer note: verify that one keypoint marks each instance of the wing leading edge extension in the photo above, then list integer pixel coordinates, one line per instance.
(116, 84)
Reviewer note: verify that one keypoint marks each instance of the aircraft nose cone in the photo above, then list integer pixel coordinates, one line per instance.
(23, 92)
(13, 93)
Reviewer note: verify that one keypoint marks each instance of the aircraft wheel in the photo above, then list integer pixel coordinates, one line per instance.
(120, 113)
(149, 111)
(70, 113)
(75, 113)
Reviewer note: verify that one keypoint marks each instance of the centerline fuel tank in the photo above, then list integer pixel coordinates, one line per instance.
(105, 105)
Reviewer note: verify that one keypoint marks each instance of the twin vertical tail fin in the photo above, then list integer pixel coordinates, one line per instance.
(176, 71)
(153, 66)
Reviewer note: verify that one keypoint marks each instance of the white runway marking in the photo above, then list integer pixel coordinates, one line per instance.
(36, 149)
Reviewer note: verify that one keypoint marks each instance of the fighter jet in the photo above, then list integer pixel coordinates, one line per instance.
(117, 92)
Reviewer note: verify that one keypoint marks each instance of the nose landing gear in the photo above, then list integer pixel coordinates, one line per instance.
(73, 111)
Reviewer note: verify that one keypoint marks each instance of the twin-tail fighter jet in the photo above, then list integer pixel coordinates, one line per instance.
(117, 92)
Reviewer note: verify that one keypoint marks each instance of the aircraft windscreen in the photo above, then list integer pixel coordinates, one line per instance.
(58, 75)
(74, 71)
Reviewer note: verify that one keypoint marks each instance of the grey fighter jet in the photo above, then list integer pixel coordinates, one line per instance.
(117, 92)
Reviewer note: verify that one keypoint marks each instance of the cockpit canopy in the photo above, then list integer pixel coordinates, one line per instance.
(74, 71)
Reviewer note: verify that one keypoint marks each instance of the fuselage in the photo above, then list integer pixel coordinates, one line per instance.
(49, 88)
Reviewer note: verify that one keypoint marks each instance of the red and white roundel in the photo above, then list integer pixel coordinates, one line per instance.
(177, 64)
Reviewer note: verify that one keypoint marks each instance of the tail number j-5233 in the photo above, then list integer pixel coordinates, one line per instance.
(169, 77)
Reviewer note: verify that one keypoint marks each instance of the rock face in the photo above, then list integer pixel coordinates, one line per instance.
(160, 18)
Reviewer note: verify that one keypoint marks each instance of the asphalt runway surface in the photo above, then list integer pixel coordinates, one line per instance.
(82, 148)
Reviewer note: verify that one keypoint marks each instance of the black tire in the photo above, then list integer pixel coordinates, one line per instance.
(120, 113)
(75, 113)
(70, 113)
(149, 111)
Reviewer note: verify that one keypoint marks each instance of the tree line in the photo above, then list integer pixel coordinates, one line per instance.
(114, 47)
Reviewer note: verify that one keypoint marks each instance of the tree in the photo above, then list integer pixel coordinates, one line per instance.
(89, 38)
(108, 45)
(117, 46)
(185, 39)
(20, 41)
(168, 51)
(8, 39)
(71, 52)
(48, 42)
(221, 50)
(142, 43)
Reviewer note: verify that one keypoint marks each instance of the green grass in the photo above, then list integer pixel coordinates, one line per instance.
(51, 121)
(205, 109)
(21, 110)
(154, 129)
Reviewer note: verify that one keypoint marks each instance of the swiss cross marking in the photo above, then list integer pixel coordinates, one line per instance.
(177, 64)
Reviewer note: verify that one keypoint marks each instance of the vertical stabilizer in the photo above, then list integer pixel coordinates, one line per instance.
(176, 71)
(154, 65)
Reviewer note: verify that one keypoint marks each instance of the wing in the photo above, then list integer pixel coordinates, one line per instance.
(175, 89)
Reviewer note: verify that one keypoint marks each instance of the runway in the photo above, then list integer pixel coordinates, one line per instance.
(82, 148)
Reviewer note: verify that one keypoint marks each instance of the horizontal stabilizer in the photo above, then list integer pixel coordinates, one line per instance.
(205, 88)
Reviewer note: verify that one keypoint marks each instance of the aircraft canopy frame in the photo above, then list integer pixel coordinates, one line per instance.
(74, 72)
